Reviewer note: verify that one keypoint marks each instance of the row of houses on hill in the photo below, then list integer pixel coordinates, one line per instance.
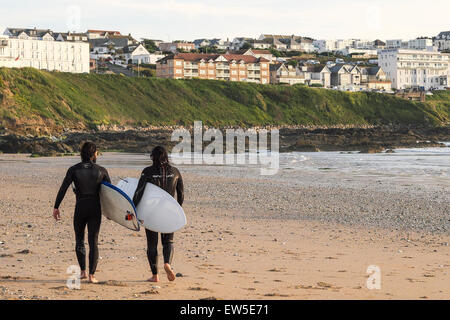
(44, 49)
(342, 76)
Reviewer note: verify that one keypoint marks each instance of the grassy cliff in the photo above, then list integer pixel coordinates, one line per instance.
(33, 98)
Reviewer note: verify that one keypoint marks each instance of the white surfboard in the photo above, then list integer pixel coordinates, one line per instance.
(117, 206)
(157, 211)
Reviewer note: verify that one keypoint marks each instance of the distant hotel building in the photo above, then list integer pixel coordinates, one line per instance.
(415, 68)
(44, 49)
(230, 67)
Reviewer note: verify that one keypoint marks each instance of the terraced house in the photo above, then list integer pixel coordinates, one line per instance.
(228, 67)
(44, 49)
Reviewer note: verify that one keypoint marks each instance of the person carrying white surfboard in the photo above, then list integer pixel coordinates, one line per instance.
(87, 177)
(168, 178)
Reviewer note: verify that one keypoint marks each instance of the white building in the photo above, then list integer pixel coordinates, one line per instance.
(333, 45)
(136, 54)
(396, 44)
(155, 57)
(420, 44)
(414, 44)
(39, 49)
(415, 68)
(367, 52)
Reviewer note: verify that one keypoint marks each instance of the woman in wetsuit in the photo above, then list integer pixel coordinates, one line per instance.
(86, 177)
(167, 177)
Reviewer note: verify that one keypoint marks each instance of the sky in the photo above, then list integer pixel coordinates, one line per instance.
(170, 20)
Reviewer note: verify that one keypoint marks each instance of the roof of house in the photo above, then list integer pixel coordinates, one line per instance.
(444, 34)
(371, 71)
(102, 31)
(39, 33)
(64, 35)
(275, 66)
(116, 42)
(132, 48)
(338, 67)
(206, 57)
(378, 42)
(261, 51)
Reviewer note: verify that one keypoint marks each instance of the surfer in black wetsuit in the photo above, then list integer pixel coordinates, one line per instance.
(86, 177)
(167, 177)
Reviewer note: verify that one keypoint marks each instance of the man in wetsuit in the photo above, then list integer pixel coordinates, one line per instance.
(86, 177)
(167, 177)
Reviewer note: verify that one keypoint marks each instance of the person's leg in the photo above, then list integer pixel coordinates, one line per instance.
(167, 242)
(152, 253)
(94, 222)
(79, 224)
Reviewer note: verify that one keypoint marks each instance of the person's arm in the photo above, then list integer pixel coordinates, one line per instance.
(62, 190)
(140, 189)
(106, 176)
(180, 190)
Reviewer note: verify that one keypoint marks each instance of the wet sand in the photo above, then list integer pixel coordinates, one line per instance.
(247, 237)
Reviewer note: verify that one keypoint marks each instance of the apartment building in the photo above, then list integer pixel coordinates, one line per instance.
(415, 68)
(176, 46)
(420, 44)
(43, 49)
(229, 67)
(414, 44)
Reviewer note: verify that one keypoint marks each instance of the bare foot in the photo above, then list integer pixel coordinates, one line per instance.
(155, 278)
(83, 275)
(170, 274)
(92, 279)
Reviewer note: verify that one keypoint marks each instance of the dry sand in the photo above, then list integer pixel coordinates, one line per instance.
(247, 237)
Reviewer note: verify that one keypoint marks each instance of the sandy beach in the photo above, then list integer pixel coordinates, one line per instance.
(296, 235)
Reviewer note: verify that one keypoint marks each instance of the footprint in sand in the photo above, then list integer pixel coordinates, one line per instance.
(276, 295)
(209, 298)
(198, 289)
(114, 283)
(153, 291)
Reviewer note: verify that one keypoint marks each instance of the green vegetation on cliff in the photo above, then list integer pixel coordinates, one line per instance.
(56, 100)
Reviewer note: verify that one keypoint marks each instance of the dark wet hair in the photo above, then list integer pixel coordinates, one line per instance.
(159, 156)
(88, 151)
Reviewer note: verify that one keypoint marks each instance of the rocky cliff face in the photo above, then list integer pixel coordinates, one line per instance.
(375, 139)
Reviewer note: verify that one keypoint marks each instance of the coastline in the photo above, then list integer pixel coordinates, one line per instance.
(309, 237)
(366, 139)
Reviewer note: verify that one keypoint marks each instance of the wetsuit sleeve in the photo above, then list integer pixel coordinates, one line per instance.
(140, 189)
(106, 176)
(62, 190)
(180, 190)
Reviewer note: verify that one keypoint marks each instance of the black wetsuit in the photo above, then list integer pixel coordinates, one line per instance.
(169, 179)
(87, 177)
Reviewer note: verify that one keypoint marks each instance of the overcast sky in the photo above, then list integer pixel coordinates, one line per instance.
(192, 19)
